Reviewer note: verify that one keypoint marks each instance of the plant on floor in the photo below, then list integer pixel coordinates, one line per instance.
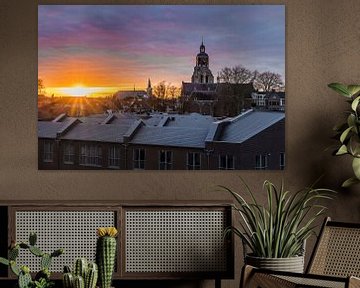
(279, 229)
(85, 275)
(106, 254)
(42, 278)
(349, 132)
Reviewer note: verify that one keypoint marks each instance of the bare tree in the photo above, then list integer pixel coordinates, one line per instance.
(159, 90)
(241, 75)
(172, 92)
(268, 81)
(236, 75)
(41, 86)
(225, 75)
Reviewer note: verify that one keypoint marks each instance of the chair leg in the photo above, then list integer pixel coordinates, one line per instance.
(250, 278)
(246, 273)
(217, 283)
(354, 282)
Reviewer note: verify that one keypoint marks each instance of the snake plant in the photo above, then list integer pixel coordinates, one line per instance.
(279, 228)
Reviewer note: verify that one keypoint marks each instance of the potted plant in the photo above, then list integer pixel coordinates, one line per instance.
(276, 233)
(42, 278)
(84, 274)
(106, 254)
(348, 133)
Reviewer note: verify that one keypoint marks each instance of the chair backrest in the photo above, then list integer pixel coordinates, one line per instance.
(337, 251)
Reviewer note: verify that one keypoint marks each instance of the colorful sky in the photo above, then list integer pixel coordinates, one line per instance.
(118, 46)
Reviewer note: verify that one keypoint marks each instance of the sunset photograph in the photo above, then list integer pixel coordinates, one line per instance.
(161, 87)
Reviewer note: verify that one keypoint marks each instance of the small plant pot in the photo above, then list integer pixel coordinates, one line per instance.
(291, 264)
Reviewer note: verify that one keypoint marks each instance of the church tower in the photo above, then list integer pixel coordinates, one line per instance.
(149, 89)
(202, 73)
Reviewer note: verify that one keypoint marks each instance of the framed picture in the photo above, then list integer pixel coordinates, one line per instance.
(161, 87)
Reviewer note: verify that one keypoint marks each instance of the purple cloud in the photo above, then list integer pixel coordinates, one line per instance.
(158, 40)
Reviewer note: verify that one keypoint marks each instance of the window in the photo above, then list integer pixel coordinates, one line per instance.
(201, 79)
(114, 156)
(69, 154)
(193, 161)
(48, 155)
(282, 160)
(261, 162)
(165, 162)
(226, 162)
(90, 155)
(207, 79)
(139, 158)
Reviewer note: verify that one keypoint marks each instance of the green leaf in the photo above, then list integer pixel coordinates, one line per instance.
(14, 268)
(351, 120)
(345, 134)
(342, 150)
(355, 103)
(32, 238)
(354, 145)
(356, 167)
(353, 89)
(349, 182)
(4, 261)
(340, 88)
(13, 253)
(340, 127)
(36, 251)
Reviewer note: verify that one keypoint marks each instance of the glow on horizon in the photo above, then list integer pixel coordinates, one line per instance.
(80, 91)
(114, 47)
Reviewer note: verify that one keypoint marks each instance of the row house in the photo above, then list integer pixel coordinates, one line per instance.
(274, 101)
(252, 140)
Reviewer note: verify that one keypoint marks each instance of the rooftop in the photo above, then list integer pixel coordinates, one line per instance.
(161, 129)
(95, 132)
(171, 136)
(247, 125)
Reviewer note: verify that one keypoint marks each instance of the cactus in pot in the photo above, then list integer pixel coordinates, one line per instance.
(85, 275)
(106, 254)
(42, 278)
(91, 276)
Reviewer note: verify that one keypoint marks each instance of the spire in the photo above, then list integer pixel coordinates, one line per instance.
(149, 89)
(202, 46)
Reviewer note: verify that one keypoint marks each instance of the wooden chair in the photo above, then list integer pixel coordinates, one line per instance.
(335, 262)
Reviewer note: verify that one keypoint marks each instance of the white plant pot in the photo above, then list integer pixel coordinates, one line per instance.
(291, 264)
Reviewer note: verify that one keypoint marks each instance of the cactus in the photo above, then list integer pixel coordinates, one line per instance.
(24, 245)
(36, 251)
(68, 280)
(13, 253)
(14, 268)
(44, 273)
(90, 272)
(4, 261)
(91, 276)
(105, 254)
(67, 269)
(32, 238)
(24, 280)
(79, 282)
(42, 278)
(45, 261)
(80, 267)
(57, 253)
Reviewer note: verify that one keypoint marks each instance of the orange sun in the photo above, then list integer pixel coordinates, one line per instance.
(77, 91)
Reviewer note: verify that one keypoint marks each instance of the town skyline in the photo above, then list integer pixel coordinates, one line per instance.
(98, 48)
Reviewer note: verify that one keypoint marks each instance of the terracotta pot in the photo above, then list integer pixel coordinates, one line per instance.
(291, 264)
